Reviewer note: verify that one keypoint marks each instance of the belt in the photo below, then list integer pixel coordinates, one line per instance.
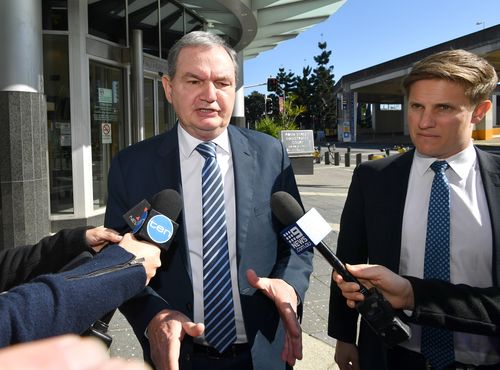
(233, 350)
(420, 362)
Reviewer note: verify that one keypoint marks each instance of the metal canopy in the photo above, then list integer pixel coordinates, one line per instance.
(255, 26)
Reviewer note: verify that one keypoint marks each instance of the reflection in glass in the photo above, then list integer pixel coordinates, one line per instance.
(56, 85)
(149, 113)
(55, 15)
(143, 15)
(166, 114)
(107, 20)
(106, 124)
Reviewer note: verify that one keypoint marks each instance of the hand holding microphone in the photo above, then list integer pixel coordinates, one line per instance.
(305, 231)
(155, 222)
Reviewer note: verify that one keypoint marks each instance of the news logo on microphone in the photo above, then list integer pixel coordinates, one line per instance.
(155, 221)
(307, 232)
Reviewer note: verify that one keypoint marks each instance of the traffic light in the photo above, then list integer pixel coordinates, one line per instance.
(269, 105)
(272, 84)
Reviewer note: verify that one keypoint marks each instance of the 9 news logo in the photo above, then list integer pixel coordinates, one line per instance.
(160, 229)
(297, 239)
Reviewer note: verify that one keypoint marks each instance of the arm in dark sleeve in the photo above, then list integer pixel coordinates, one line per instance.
(49, 255)
(351, 248)
(70, 302)
(457, 307)
(141, 309)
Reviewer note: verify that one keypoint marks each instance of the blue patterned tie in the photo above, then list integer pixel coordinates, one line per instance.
(220, 327)
(437, 344)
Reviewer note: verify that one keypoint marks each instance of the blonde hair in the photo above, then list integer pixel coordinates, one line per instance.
(473, 73)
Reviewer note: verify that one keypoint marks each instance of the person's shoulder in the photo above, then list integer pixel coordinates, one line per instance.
(391, 162)
(143, 147)
(254, 136)
(489, 160)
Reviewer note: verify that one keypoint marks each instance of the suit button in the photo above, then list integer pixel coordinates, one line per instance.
(189, 306)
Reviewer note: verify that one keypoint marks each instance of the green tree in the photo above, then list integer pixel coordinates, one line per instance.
(254, 108)
(304, 92)
(283, 121)
(286, 80)
(323, 98)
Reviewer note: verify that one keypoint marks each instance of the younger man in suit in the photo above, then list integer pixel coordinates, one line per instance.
(385, 219)
(192, 158)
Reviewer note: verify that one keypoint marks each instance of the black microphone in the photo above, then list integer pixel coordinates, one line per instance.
(305, 231)
(288, 211)
(155, 222)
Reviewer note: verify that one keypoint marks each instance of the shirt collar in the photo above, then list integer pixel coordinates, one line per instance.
(188, 143)
(460, 163)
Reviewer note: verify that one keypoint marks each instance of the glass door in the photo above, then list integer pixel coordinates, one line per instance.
(107, 123)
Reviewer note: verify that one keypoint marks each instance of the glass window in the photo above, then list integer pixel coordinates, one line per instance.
(107, 124)
(166, 114)
(56, 85)
(143, 15)
(107, 20)
(55, 15)
(149, 108)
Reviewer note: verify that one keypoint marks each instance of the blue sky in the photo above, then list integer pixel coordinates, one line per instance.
(363, 33)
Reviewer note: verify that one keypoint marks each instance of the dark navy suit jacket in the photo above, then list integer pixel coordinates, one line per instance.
(370, 230)
(261, 167)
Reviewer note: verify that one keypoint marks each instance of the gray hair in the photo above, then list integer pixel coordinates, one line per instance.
(201, 39)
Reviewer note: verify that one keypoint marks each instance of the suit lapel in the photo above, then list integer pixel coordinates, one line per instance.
(168, 176)
(490, 174)
(397, 187)
(244, 166)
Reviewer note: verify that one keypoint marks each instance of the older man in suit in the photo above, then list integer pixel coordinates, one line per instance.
(260, 280)
(390, 216)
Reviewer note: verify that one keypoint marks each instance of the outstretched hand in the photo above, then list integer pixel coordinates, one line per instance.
(166, 332)
(285, 298)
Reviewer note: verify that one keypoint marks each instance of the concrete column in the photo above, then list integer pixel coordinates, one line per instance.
(137, 77)
(238, 118)
(404, 108)
(24, 182)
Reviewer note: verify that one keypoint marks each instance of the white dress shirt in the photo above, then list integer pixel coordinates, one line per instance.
(191, 163)
(470, 241)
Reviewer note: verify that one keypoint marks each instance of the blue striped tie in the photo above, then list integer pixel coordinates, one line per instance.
(437, 344)
(220, 327)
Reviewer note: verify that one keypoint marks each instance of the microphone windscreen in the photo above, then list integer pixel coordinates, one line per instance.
(286, 208)
(167, 202)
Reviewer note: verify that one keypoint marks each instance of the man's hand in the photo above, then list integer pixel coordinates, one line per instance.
(396, 289)
(63, 353)
(346, 356)
(285, 298)
(165, 332)
(98, 237)
(142, 249)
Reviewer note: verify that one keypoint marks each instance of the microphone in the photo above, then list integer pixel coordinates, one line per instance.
(308, 230)
(155, 222)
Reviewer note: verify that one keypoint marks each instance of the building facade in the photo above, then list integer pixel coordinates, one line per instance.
(81, 79)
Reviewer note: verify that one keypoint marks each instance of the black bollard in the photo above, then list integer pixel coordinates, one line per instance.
(327, 157)
(347, 160)
(358, 159)
(336, 158)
